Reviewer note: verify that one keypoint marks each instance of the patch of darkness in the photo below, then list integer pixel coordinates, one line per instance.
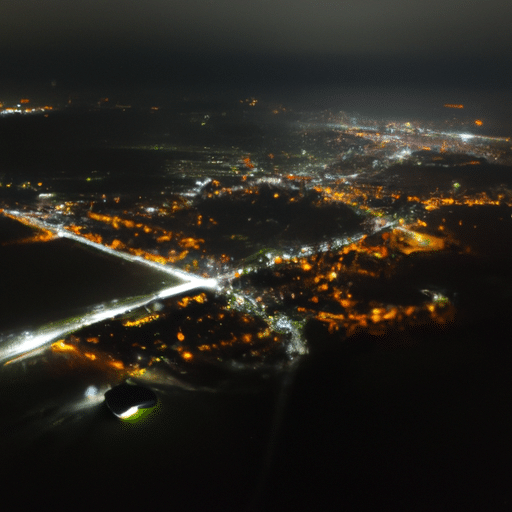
(11, 230)
(45, 282)
(395, 413)
(276, 217)
(484, 294)
(485, 230)
(422, 180)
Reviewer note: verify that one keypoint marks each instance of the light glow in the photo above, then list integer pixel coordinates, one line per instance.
(130, 412)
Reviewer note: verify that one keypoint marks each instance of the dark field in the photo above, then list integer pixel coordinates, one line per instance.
(50, 281)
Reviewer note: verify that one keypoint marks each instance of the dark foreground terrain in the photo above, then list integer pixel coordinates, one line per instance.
(423, 427)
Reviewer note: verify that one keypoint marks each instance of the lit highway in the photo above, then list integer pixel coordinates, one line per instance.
(28, 342)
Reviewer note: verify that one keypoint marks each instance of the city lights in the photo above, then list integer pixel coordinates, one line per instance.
(251, 272)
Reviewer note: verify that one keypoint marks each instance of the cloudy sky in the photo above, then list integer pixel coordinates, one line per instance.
(267, 41)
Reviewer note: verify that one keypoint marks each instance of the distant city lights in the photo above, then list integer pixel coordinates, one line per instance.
(19, 110)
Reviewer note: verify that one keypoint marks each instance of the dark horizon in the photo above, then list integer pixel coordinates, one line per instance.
(391, 60)
(225, 45)
(146, 68)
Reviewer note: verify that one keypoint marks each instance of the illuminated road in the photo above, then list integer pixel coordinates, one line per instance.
(27, 342)
(19, 345)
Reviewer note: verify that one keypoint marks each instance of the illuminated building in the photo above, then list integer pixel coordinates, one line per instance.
(129, 401)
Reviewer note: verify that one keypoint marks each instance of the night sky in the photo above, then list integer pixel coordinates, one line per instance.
(269, 44)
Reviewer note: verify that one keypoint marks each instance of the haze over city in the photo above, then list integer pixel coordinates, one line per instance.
(161, 46)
